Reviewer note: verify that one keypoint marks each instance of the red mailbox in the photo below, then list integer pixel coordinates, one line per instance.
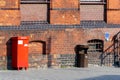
(20, 52)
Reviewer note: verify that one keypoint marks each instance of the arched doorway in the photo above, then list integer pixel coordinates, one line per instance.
(37, 54)
(94, 51)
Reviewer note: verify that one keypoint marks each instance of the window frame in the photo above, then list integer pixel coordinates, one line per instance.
(95, 45)
(92, 0)
(34, 1)
(101, 2)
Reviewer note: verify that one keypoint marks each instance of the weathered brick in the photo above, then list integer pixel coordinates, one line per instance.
(36, 47)
(113, 16)
(9, 13)
(2, 3)
(63, 17)
(64, 3)
(69, 16)
(9, 4)
(9, 17)
(113, 4)
(61, 46)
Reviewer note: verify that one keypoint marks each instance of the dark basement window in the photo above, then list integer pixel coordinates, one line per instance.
(95, 45)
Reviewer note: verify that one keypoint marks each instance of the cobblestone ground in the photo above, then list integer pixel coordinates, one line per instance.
(92, 73)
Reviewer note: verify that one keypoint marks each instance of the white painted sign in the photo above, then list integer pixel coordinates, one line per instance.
(20, 41)
(25, 45)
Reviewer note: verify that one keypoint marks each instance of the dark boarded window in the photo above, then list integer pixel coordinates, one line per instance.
(95, 45)
(34, 10)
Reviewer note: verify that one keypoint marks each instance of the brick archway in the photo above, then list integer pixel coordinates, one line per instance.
(95, 50)
(37, 54)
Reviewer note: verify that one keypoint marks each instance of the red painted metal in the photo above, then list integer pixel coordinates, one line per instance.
(20, 52)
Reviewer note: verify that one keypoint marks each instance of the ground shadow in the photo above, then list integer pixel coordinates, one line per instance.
(9, 54)
(76, 49)
(48, 52)
(104, 77)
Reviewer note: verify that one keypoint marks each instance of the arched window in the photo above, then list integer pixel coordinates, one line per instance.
(95, 45)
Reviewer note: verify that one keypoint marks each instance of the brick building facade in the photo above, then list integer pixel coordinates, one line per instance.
(56, 27)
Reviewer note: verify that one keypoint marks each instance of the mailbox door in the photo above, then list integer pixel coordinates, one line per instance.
(25, 46)
(22, 53)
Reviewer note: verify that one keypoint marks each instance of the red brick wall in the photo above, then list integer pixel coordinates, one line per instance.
(35, 47)
(9, 4)
(113, 12)
(64, 12)
(64, 17)
(64, 3)
(9, 13)
(113, 16)
(113, 4)
(54, 41)
(65, 41)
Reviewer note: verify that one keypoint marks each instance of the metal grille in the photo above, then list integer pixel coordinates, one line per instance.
(117, 49)
(95, 46)
(111, 56)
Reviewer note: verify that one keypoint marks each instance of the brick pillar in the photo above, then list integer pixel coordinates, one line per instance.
(113, 11)
(9, 12)
(64, 12)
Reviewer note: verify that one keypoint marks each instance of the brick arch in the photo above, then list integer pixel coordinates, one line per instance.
(37, 54)
(35, 45)
(95, 50)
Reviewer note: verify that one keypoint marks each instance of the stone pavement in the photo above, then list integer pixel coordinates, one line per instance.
(91, 73)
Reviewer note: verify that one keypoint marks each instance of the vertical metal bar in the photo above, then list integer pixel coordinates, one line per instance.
(114, 51)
